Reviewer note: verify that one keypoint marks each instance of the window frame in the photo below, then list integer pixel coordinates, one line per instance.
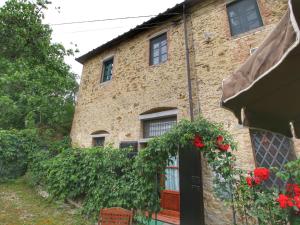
(243, 30)
(98, 137)
(158, 39)
(104, 63)
(147, 122)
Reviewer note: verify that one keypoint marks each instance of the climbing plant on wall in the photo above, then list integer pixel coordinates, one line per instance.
(108, 176)
(211, 139)
(242, 190)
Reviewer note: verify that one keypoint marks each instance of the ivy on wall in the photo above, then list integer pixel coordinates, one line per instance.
(108, 176)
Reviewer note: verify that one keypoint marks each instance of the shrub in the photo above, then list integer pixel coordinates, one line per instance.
(101, 177)
(14, 148)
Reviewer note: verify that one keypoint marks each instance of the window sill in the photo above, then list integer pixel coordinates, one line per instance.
(102, 84)
(248, 33)
(157, 65)
(144, 140)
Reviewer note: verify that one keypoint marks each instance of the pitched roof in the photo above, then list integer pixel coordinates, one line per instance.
(169, 13)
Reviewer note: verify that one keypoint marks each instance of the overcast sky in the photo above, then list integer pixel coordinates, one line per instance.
(91, 35)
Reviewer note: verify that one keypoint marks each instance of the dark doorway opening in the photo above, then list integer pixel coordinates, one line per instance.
(191, 188)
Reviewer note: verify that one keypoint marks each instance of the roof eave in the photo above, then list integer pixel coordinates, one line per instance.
(169, 13)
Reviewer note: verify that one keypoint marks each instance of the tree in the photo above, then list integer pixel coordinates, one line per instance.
(37, 88)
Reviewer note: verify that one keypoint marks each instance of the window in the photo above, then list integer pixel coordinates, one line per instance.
(172, 175)
(130, 144)
(243, 16)
(158, 50)
(157, 127)
(271, 150)
(98, 141)
(107, 70)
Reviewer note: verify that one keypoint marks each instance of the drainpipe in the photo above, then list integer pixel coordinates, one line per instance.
(188, 65)
(188, 73)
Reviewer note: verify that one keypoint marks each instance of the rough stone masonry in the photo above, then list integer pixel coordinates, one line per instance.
(137, 87)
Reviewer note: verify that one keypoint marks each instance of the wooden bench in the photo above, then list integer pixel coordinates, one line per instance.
(115, 216)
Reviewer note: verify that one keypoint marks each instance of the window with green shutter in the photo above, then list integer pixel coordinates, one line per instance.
(107, 70)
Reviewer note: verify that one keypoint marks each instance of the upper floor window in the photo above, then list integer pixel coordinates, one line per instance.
(107, 70)
(158, 49)
(243, 16)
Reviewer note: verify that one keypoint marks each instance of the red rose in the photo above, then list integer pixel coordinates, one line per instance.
(262, 173)
(297, 201)
(283, 201)
(220, 139)
(257, 180)
(249, 181)
(297, 190)
(221, 146)
(293, 189)
(224, 147)
(198, 141)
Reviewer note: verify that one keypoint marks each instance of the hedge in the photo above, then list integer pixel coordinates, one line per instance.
(14, 148)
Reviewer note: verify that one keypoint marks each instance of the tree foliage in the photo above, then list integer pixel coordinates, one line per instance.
(36, 85)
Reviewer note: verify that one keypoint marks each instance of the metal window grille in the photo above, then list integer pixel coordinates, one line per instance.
(158, 49)
(98, 141)
(271, 150)
(107, 71)
(157, 127)
(243, 16)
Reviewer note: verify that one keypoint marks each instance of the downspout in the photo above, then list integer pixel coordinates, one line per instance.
(188, 64)
(188, 73)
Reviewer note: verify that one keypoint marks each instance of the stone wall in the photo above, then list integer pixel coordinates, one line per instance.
(214, 60)
(137, 87)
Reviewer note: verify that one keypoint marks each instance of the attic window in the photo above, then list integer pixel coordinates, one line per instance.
(107, 70)
(158, 49)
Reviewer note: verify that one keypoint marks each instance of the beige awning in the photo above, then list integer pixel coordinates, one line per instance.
(265, 91)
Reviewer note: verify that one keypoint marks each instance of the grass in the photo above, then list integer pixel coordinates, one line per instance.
(21, 205)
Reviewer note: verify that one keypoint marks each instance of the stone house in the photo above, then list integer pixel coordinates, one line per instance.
(171, 67)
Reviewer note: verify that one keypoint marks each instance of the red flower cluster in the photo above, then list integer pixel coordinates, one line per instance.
(198, 141)
(285, 201)
(260, 175)
(292, 197)
(221, 146)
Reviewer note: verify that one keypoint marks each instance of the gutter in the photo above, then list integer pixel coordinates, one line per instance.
(188, 64)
